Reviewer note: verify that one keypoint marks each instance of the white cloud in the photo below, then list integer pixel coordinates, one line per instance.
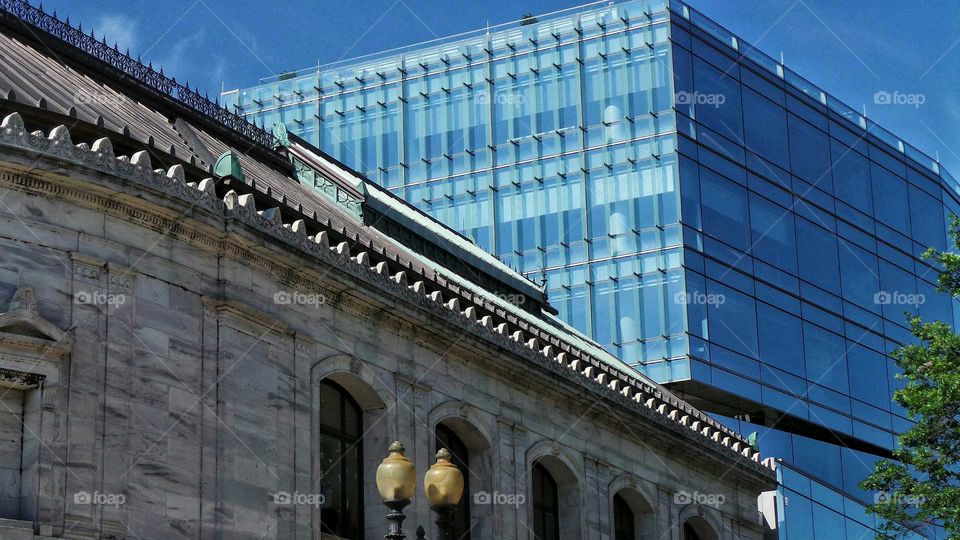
(181, 56)
(119, 29)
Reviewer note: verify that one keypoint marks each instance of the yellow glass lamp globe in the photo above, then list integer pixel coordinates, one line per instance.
(396, 475)
(443, 483)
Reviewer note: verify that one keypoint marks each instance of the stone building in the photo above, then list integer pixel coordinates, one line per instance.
(212, 331)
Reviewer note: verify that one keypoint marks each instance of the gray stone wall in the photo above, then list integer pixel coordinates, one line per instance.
(186, 398)
(11, 450)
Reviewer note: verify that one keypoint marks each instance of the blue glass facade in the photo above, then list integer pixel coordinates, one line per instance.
(700, 210)
(551, 145)
(818, 498)
(811, 230)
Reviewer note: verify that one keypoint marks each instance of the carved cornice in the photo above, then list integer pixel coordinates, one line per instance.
(17, 343)
(248, 314)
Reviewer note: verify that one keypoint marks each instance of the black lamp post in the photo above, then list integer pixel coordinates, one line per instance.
(397, 480)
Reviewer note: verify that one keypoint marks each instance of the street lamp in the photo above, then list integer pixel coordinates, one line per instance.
(443, 485)
(397, 481)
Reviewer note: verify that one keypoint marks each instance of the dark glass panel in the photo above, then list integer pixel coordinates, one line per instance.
(546, 511)
(689, 533)
(827, 523)
(858, 274)
(820, 459)
(352, 421)
(725, 210)
(341, 468)
(810, 154)
(851, 177)
(890, 199)
(781, 340)
(733, 318)
(624, 522)
(872, 389)
(897, 296)
(773, 234)
(765, 124)
(762, 85)
(926, 218)
(819, 261)
(352, 487)
(824, 353)
(934, 305)
(717, 100)
(331, 485)
(446, 438)
(330, 413)
(690, 193)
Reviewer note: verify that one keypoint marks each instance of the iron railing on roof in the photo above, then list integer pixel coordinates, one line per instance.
(51, 25)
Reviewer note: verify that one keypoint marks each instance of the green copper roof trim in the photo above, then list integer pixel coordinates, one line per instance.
(280, 135)
(311, 178)
(228, 164)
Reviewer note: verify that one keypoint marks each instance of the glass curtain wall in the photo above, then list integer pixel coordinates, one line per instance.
(548, 144)
(804, 226)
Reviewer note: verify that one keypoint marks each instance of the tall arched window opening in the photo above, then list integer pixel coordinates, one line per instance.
(341, 463)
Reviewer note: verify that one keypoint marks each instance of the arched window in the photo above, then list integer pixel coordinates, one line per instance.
(697, 528)
(446, 438)
(689, 533)
(624, 522)
(546, 505)
(341, 471)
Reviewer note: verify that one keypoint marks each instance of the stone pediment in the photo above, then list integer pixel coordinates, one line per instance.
(22, 326)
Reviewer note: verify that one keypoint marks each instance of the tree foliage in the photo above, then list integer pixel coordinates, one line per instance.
(922, 484)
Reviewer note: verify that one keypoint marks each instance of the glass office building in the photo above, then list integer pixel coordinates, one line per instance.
(699, 209)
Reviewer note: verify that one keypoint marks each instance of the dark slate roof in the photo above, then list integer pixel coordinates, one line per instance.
(54, 79)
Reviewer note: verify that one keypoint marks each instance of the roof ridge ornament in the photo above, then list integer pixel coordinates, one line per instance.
(228, 165)
(280, 135)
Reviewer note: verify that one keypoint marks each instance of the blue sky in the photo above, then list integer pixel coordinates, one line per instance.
(852, 49)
